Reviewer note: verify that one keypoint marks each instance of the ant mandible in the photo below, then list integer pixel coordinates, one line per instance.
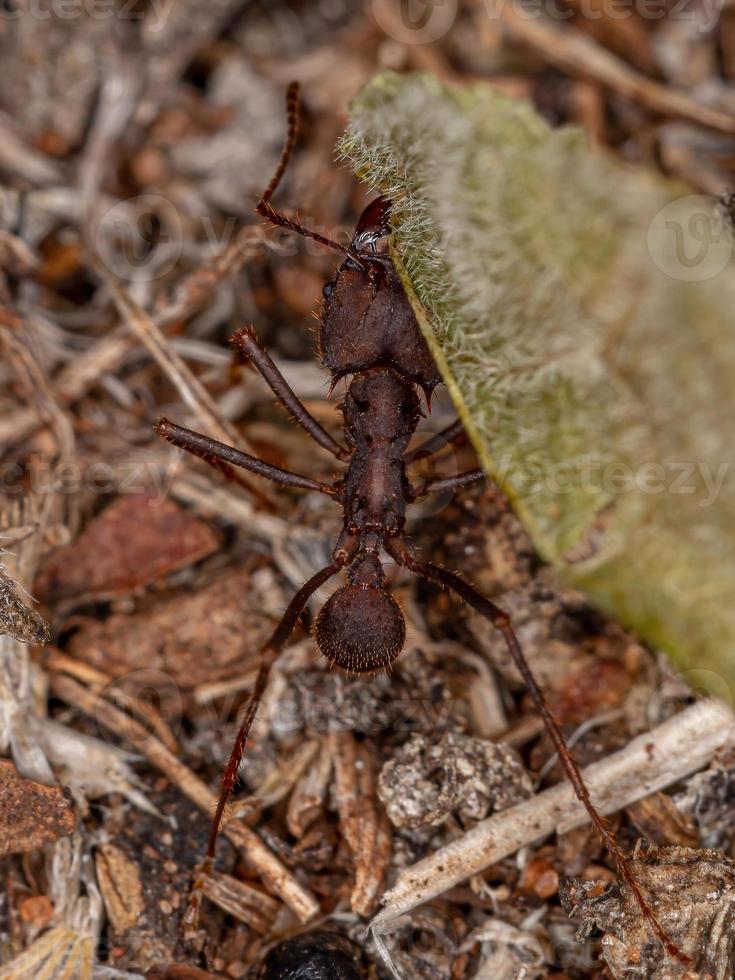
(368, 331)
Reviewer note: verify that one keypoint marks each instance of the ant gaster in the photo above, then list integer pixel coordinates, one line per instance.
(368, 331)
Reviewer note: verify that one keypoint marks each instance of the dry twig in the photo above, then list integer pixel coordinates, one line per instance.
(648, 763)
(572, 51)
(274, 875)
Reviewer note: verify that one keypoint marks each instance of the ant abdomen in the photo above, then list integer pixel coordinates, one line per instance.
(361, 629)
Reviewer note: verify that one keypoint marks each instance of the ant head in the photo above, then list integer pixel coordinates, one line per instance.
(361, 626)
(373, 227)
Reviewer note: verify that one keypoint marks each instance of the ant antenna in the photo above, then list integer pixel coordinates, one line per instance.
(265, 208)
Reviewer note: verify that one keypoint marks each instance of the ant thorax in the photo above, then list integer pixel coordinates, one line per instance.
(381, 411)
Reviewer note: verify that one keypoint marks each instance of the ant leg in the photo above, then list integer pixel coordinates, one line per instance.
(453, 433)
(248, 348)
(400, 550)
(268, 656)
(264, 207)
(439, 484)
(222, 456)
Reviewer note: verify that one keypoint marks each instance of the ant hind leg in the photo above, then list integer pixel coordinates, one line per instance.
(403, 554)
(269, 654)
(451, 434)
(439, 484)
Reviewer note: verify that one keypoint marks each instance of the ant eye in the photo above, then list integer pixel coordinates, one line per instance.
(328, 290)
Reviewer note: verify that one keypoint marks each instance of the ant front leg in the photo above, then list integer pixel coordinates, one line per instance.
(248, 349)
(400, 550)
(222, 457)
(268, 656)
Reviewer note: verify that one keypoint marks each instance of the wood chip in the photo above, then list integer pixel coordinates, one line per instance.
(247, 904)
(31, 814)
(365, 827)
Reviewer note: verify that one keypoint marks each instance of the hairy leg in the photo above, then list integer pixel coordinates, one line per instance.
(451, 434)
(269, 654)
(248, 348)
(403, 554)
(438, 484)
(222, 457)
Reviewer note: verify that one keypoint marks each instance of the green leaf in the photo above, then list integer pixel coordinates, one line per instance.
(582, 314)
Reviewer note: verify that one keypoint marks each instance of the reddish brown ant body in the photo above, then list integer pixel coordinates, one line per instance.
(368, 332)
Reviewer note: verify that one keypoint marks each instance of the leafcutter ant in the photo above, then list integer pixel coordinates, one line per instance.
(369, 334)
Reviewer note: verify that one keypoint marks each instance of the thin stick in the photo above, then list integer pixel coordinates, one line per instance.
(276, 878)
(75, 379)
(191, 390)
(650, 762)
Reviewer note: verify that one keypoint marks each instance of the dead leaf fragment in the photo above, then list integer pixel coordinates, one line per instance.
(692, 893)
(133, 542)
(191, 638)
(659, 820)
(31, 814)
(119, 881)
(17, 619)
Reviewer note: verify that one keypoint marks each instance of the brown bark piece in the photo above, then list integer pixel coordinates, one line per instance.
(364, 825)
(133, 542)
(658, 819)
(192, 638)
(249, 905)
(31, 814)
